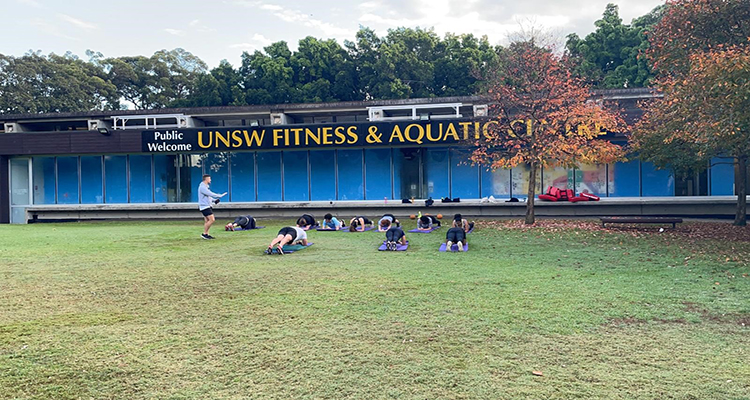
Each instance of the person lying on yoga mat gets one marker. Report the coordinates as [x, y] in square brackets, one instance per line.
[243, 221]
[460, 222]
[386, 222]
[306, 221]
[394, 236]
[288, 235]
[455, 235]
[359, 224]
[427, 222]
[331, 223]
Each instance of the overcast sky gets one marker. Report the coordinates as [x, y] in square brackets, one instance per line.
[223, 29]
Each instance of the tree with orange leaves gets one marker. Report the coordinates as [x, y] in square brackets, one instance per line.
[700, 51]
[543, 116]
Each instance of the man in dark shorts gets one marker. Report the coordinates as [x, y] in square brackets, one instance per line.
[205, 203]
[287, 235]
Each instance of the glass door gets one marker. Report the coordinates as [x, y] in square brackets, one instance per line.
[20, 189]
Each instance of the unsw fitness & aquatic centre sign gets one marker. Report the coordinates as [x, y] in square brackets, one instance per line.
[318, 136]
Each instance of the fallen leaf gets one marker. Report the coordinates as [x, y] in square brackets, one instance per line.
[537, 373]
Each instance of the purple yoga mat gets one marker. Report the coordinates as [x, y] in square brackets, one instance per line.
[240, 229]
[367, 228]
[401, 247]
[417, 230]
[454, 247]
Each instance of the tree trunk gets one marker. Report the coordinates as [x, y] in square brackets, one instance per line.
[740, 219]
[531, 194]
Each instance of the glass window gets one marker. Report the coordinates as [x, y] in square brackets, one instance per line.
[191, 175]
[624, 179]
[140, 179]
[561, 178]
[296, 183]
[43, 169]
[350, 175]
[520, 181]
[591, 179]
[656, 182]
[92, 191]
[269, 175]
[378, 174]
[19, 182]
[243, 177]
[437, 173]
[165, 178]
[217, 165]
[322, 175]
[406, 178]
[464, 176]
[496, 183]
[722, 177]
[115, 179]
[67, 180]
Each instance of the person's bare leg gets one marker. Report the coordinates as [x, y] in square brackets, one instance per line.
[207, 224]
[283, 242]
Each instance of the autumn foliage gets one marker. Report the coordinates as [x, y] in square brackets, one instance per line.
[701, 53]
[544, 117]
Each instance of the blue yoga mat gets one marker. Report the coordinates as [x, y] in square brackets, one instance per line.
[417, 230]
[288, 249]
[240, 229]
[401, 247]
[454, 247]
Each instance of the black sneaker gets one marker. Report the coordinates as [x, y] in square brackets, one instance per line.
[279, 250]
[268, 251]
[204, 236]
[210, 237]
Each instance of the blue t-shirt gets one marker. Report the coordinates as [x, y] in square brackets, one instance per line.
[333, 224]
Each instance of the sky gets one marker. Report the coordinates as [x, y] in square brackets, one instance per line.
[223, 29]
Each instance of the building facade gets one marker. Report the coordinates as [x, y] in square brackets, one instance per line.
[356, 151]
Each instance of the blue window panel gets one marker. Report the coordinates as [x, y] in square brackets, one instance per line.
[43, 169]
[67, 180]
[624, 179]
[398, 160]
[350, 175]
[140, 179]
[495, 183]
[437, 173]
[92, 191]
[217, 165]
[165, 178]
[378, 174]
[296, 183]
[656, 182]
[115, 179]
[269, 176]
[322, 175]
[243, 177]
[195, 177]
[464, 176]
[722, 177]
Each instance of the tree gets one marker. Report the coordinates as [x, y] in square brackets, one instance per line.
[35, 83]
[700, 52]
[165, 78]
[610, 57]
[268, 78]
[542, 116]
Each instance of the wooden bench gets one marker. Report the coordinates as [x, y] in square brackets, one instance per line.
[641, 220]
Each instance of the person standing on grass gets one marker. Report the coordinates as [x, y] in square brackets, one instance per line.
[205, 203]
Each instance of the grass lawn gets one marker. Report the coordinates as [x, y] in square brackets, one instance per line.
[141, 310]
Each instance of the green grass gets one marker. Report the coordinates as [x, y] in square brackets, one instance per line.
[149, 310]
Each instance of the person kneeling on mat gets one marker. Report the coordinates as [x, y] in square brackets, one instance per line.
[460, 222]
[426, 222]
[394, 236]
[288, 235]
[359, 224]
[331, 223]
[390, 220]
[455, 235]
[306, 221]
[243, 221]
